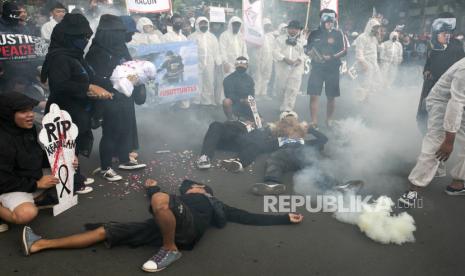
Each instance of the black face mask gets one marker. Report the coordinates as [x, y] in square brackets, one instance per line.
[241, 69]
[203, 29]
[236, 28]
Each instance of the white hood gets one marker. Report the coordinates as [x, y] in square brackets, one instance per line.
[143, 21]
[197, 22]
[370, 24]
[232, 20]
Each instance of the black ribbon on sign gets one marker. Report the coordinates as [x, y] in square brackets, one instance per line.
[63, 168]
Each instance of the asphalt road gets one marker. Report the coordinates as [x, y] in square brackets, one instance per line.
[319, 246]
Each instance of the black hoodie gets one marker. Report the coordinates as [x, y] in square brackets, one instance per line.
[21, 157]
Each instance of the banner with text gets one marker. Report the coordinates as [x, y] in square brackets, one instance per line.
[58, 136]
[253, 21]
[177, 68]
[148, 6]
[22, 47]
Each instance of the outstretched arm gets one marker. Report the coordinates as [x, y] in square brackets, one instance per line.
[244, 217]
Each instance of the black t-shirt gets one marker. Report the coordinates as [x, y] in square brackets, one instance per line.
[329, 43]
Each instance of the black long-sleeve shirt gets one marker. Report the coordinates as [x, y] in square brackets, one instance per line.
[238, 85]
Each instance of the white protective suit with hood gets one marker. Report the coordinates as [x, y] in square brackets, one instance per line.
[264, 66]
[445, 105]
[366, 55]
[288, 78]
[209, 57]
[232, 46]
[390, 54]
[143, 38]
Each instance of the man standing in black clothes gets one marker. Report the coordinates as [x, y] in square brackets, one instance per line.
[237, 88]
[179, 222]
[326, 46]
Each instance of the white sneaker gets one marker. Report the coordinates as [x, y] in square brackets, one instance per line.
[89, 181]
[232, 165]
[111, 175]
[204, 162]
[132, 165]
[84, 190]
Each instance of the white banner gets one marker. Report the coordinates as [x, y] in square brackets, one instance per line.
[58, 136]
[148, 6]
[253, 25]
[330, 4]
[217, 15]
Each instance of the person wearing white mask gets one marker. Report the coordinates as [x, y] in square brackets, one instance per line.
[209, 57]
[264, 65]
[146, 34]
[390, 58]
[289, 65]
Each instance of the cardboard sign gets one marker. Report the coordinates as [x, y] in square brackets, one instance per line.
[330, 4]
[217, 15]
[253, 25]
[148, 6]
[58, 136]
[178, 70]
[22, 47]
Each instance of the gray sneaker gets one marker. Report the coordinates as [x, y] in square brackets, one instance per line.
[232, 165]
[268, 189]
[28, 238]
[161, 260]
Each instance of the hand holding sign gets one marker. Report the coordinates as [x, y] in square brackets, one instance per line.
[59, 139]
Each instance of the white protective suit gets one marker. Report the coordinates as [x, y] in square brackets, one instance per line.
[445, 105]
[232, 46]
[209, 57]
[366, 55]
[390, 54]
[288, 78]
[142, 38]
[264, 67]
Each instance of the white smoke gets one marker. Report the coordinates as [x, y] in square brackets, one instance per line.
[377, 222]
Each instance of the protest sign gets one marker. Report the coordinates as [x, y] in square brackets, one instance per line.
[177, 74]
[20, 47]
[253, 25]
[58, 136]
[217, 15]
[148, 6]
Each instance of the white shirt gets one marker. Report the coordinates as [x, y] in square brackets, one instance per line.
[47, 29]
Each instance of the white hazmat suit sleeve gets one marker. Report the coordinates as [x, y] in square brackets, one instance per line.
[454, 109]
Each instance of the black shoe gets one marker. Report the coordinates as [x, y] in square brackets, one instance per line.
[96, 122]
[48, 201]
[268, 189]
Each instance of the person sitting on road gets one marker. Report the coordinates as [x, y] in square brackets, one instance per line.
[21, 161]
[237, 88]
[179, 222]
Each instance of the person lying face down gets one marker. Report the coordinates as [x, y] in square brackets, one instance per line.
[179, 222]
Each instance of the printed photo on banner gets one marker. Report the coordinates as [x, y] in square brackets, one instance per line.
[58, 136]
[148, 6]
[177, 70]
[253, 17]
[22, 47]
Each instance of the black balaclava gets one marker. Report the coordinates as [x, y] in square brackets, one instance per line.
[203, 28]
[177, 26]
[10, 13]
[111, 35]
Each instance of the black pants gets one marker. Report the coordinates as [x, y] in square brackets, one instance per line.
[222, 136]
[254, 143]
[116, 132]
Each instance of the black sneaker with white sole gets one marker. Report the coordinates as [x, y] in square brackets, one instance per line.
[408, 199]
[132, 165]
[268, 189]
[455, 192]
[232, 165]
[110, 175]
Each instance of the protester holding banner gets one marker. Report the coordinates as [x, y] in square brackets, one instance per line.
[70, 79]
[21, 160]
[289, 55]
[209, 57]
[57, 12]
[325, 46]
[108, 50]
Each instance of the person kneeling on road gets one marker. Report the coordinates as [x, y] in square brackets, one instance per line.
[178, 223]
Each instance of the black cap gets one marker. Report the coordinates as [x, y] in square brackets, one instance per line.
[109, 22]
[57, 5]
[9, 9]
[75, 24]
[294, 24]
